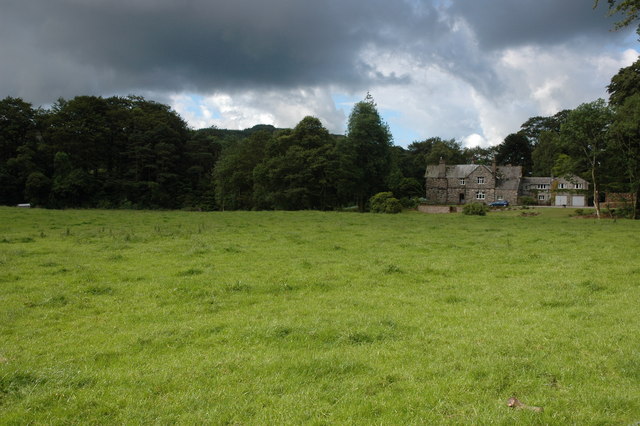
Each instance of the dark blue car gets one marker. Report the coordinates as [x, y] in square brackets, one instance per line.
[499, 203]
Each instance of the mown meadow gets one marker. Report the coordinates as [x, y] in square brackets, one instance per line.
[317, 317]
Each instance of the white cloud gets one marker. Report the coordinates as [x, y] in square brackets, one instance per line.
[474, 140]
[543, 81]
[432, 102]
[280, 108]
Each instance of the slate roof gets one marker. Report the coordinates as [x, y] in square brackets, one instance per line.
[431, 172]
[457, 171]
[537, 180]
[508, 177]
[461, 170]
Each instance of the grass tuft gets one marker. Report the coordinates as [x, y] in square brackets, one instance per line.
[99, 290]
[591, 286]
[237, 286]
[454, 299]
[392, 269]
[190, 272]
[56, 301]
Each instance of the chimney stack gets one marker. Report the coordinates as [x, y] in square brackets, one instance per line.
[442, 168]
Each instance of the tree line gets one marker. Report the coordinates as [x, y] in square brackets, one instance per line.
[129, 152]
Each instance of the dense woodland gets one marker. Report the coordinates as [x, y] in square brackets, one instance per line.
[129, 152]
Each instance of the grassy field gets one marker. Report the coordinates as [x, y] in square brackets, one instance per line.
[321, 318]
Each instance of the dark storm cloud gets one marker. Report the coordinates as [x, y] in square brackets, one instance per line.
[54, 48]
[508, 23]
[199, 44]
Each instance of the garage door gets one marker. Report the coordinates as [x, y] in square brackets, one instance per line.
[578, 201]
[561, 200]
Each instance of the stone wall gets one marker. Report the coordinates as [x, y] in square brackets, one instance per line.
[425, 208]
[618, 199]
[437, 190]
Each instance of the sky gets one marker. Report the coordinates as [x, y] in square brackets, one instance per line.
[469, 70]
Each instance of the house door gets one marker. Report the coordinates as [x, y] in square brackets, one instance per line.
[578, 201]
[461, 198]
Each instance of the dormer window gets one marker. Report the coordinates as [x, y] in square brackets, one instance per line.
[480, 180]
[578, 186]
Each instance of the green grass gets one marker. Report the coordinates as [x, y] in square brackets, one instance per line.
[321, 318]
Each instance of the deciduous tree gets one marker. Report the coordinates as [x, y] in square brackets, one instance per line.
[534, 127]
[545, 154]
[630, 10]
[18, 148]
[233, 173]
[298, 171]
[584, 134]
[624, 84]
[515, 150]
[625, 140]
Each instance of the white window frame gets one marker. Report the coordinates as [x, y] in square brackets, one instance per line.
[462, 181]
[480, 180]
[480, 195]
[561, 186]
[500, 198]
[542, 186]
[577, 186]
[541, 197]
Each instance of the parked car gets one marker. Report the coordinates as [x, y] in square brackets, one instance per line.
[499, 203]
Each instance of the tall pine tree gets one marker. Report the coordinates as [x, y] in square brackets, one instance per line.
[369, 146]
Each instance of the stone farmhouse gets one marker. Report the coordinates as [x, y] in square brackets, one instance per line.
[467, 183]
